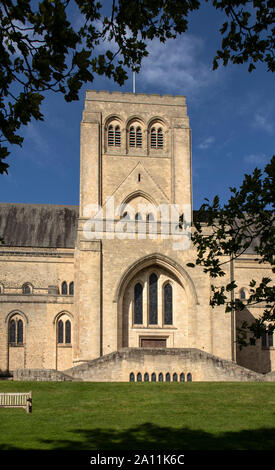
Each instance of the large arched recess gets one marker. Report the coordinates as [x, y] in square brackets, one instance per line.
[149, 261]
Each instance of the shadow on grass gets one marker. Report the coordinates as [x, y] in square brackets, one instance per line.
[148, 436]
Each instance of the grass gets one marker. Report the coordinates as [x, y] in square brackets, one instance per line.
[141, 416]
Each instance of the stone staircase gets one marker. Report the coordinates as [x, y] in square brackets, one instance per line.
[117, 367]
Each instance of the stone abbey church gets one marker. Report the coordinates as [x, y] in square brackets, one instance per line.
[107, 295]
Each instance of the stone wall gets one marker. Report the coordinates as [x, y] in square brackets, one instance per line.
[40, 375]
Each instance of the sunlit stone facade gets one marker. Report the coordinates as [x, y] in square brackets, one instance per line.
[80, 283]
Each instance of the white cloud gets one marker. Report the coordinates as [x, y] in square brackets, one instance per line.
[259, 159]
[177, 66]
[206, 143]
[264, 122]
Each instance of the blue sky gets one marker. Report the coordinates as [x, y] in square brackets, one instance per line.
[232, 117]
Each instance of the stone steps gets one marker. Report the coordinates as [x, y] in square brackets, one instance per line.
[118, 365]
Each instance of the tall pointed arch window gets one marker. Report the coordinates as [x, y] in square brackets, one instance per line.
[168, 304]
[60, 332]
[153, 299]
[64, 332]
[12, 332]
[16, 331]
[67, 332]
[20, 332]
[138, 302]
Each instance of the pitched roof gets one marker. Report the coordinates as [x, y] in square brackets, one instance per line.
[38, 225]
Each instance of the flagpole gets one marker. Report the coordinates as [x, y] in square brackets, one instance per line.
[134, 82]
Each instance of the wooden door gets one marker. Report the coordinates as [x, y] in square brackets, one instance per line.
[153, 342]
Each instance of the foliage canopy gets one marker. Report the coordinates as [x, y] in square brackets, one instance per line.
[246, 223]
[59, 45]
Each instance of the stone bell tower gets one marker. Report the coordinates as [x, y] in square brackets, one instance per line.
[134, 148]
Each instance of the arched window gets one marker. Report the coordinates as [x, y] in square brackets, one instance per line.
[168, 378]
[168, 304]
[160, 377]
[153, 138]
[64, 288]
[117, 136]
[16, 332]
[182, 377]
[60, 332]
[12, 332]
[150, 217]
[132, 137]
[175, 377]
[138, 303]
[153, 377]
[111, 136]
[26, 289]
[68, 332]
[19, 332]
[139, 377]
[71, 288]
[139, 137]
[156, 138]
[189, 377]
[135, 137]
[153, 299]
[138, 216]
[267, 338]
[242, 294]
[1, 289]
[160, 138]
[146, 377]
[132, 377]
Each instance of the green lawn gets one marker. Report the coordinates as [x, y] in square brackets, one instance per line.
[141, 416]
